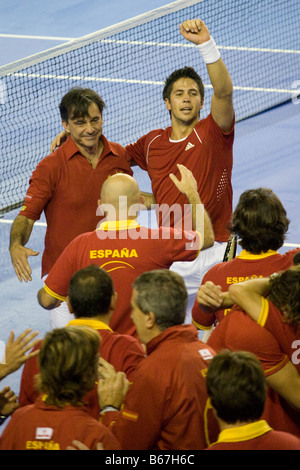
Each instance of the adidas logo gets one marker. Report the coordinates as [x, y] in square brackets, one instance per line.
[189, 146]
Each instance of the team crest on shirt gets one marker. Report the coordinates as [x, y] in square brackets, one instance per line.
[113, 265]
[43, 433]
[206, 354]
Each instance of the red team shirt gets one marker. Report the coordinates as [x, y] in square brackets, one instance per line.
[207, 152]
[255, 436]
[67, 188]
[127, 251]
[45, 427]
[238, 332]
[244, 266]
[122, 351]
[167, 407]
[286, 334]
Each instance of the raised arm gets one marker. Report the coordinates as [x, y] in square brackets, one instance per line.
[188, 186]
[222, 110]
[19, 235]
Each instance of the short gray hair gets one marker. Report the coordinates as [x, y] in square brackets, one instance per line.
[162, 292]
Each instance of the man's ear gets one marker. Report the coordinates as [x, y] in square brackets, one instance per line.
[69, 305]
[113, 301]
[168, 104]
[66, 126]
[150, 320]
[142, 199]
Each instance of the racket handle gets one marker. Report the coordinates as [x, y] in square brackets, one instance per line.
[230, 251]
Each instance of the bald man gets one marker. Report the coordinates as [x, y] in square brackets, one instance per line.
[124, 248]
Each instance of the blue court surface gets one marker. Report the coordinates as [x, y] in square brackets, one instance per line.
[266, 149]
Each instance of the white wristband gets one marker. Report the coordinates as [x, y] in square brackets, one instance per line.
[209, 51]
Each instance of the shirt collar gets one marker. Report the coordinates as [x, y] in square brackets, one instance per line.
[71, 149]
[244, 433]
[118, 225]
[185, 333]
[247, 255]
[95, 324]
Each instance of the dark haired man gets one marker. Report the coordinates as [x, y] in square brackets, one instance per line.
[65, 185]
[166, 406]
[260, 224]
[239, 374]
[202, 145]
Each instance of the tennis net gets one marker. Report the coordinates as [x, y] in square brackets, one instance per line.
[127, 64]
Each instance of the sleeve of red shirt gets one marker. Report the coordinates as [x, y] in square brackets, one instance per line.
[201, 319]
[125, 354]
[60, 274]
[135, 153]
[185, 245]
[41, 187]
[137, 426]
[243, 334]
[28, 392]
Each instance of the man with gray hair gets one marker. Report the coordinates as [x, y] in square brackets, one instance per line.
[166, 406]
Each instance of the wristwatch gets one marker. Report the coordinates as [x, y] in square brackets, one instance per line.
[2, 419]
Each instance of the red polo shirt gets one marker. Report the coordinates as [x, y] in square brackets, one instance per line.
[238, 332]
[245, 266]
[66, 187]
[122, 351]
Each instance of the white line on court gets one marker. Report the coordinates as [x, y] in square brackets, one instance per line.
[153, 43]
[141, 82]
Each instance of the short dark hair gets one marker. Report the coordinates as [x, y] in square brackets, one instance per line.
[236, 386]
[284, 292]
[77, 101]
[162, 292]
[185, 72]
[90, 292]
[259, 221]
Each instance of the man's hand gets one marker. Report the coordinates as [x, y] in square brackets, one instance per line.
[19, 258]
[195, 31]
[59, 140]
[8, 401]
[188, 184]
[15, 351]
[112, 386]
[210, 296]
[105, 369]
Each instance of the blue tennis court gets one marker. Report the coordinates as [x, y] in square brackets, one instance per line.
[265, 69]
